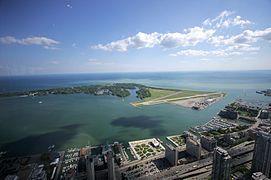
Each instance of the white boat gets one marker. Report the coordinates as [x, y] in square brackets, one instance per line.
[23, 95]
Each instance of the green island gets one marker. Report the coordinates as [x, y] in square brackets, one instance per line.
[117, 89]
[147, 95]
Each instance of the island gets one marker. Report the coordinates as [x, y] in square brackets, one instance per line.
[117, 89]
[147, 95]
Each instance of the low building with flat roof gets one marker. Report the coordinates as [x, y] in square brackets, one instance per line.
[259, 176]
[228, 114]
[208, 143]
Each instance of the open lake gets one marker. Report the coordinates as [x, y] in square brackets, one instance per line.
[27, 126]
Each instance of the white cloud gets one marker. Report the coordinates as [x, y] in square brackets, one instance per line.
[239, 21]
[140, 40]
[202, 53]
[246, 37]
[224, 20]
[168, 40]
[229, 51]
[243, 47]
[69, 6]
[218, 40]
[8, 40]
[44, 41]
[191, 52]
[207, 22]
[262, 34]
[191, 38]
[222, 15]
[38, 40]
[208, 33]
[221, 21]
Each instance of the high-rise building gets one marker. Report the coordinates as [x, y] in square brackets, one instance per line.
[261, 161]
[110, 165]
[171, 155]
[90, 169]
[81, 168]
[193, 147]
[208, 143]
[221, 165]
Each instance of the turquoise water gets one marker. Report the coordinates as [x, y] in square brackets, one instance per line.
[26, 126]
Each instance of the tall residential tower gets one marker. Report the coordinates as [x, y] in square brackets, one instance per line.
[221, 165]
[262, 154]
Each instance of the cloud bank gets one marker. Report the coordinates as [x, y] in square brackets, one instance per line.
[192, 37]
[210, 33]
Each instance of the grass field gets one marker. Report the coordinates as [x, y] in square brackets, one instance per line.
[158, 93]
[185, 93]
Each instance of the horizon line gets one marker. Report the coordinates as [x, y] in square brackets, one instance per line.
[124, 72]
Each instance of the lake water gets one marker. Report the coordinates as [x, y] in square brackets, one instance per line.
[27, 126]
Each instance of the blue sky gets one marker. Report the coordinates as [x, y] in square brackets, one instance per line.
[49, 37]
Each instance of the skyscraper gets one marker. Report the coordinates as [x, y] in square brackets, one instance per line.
[221, 165]
[261, 161]
[111, 165]
[90, 169]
